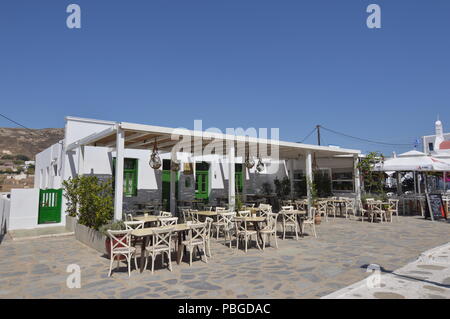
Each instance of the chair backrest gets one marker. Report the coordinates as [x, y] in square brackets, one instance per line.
[165, 214]
[186, 214]
[220, 209]
[393, 204]
[129, 217]
[349, 203]
[197, 231]
[264, 210]
[240, 224]
[119, 239]
[244, 213]
[249, 205]
[290, 207]
[133, 225]
[226, 218]
[289, 216]
[272, 221]
[168, 221]
[322, 206]
[194, 215]
[301, 204]
[161, 237]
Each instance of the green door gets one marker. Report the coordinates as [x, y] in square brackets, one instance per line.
[49, 206]
[166, 185]
[130, 176]
[202, 180]
[201, 184]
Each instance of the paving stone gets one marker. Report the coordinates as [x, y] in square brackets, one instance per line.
[202, 285]
[133, 292]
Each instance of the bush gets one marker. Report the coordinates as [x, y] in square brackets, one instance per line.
[94, 199]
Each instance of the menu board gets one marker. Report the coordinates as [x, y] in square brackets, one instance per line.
[434, 207]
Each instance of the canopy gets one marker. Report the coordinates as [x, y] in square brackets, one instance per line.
[414, 161]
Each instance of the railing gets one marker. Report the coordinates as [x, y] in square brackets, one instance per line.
[5, 205]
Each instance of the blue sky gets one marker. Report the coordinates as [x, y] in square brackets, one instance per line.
[237, 63]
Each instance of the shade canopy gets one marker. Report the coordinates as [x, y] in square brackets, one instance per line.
[414, 161]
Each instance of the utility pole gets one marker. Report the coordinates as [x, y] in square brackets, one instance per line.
[318, 134]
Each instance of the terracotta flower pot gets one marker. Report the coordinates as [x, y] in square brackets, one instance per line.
[317, 219]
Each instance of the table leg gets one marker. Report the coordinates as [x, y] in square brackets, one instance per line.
[300, 224]
[142, 259]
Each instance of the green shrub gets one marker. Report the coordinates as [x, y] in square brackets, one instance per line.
[93, 197]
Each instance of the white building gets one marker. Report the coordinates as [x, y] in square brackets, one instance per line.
[106, 149]
[439, 143]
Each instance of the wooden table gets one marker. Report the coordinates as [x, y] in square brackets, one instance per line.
[146, 219]
[145, 233]
[205, 213]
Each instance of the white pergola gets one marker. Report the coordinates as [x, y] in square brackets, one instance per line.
[125, 135]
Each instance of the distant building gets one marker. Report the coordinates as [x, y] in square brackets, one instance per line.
[438, 144]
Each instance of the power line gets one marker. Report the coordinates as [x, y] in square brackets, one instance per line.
[364, 139]
[307, 136]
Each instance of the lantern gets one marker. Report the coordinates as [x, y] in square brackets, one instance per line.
[260, 165]
[155, 160]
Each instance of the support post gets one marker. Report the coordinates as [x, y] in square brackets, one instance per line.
[231, 179]
[173, 176]
[81, 160]
[118, 190]
[357, 181]
[309, 181]
[291, 177]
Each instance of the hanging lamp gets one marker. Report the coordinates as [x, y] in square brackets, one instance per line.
[155, 160]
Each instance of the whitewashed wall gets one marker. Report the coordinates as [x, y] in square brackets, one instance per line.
[24, 209]
[4, 214]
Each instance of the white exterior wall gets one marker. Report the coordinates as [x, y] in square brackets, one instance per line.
[24, 207]
[46, 176]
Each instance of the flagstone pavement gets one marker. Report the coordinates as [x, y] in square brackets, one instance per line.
[307, 268]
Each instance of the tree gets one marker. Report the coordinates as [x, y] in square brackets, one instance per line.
[373, 181]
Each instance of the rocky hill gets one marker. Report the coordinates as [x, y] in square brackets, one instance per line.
[20, 141]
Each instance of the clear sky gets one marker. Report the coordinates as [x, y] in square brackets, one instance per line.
[290, 64]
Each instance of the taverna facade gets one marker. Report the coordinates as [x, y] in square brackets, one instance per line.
[191, 168]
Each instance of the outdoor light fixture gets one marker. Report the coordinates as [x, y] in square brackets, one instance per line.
[175, 165]
[155, 160]
[249, 162]
[260, 166]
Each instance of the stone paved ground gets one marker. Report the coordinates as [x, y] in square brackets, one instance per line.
[308, 268]
[427, 277]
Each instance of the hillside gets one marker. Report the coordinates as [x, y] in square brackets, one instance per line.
[20, 141]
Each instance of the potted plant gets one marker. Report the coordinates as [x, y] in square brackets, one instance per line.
[115, 225]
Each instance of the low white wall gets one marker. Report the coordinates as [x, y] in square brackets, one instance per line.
[24, 210]
[4, 214]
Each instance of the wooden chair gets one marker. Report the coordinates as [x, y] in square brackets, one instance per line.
[393, 208]
[120, 245]
[310, 222]
[160, 244]
[197, 238]
[243, 232]
[270, 230]
[224, 223]
[289, 219]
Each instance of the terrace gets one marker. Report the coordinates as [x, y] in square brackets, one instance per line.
[307, 268]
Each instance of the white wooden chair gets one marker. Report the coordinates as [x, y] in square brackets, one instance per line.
[168, 221]
[160, 244]
[377, 211]
[289, 219]
[243, 232]
[288, 207]
[194, 216]
[350, 207]
[220, 209]
[120, 245]
[197, 235]
[270, 230]
[165, 214]
[186, 215]
[323, 209]
[310, 222]
[244, 213]
[331, 207]
[224, 223]
[265, 210]
[393, 208]
[365, 212]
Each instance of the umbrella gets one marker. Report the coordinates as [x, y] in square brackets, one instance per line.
[413, 161]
